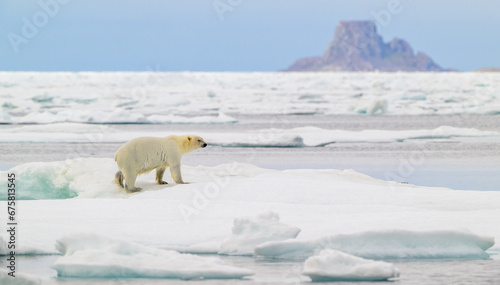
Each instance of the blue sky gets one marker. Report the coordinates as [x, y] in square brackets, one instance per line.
[243, 35]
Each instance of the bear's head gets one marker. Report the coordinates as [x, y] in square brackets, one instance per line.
[192, 143]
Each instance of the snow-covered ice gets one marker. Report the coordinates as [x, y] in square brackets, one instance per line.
[388, 244]
[180, 97]
[31, 247]
[93, 256]
[19, 279]
[323, 203]
[333, 265]
[249, 232]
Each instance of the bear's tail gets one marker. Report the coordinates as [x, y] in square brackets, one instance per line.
[119, 179]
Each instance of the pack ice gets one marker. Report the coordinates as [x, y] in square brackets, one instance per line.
[200, 97]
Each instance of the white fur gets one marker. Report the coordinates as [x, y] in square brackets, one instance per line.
[144, 154]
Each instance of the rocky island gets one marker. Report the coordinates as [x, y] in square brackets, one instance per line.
[356, 46]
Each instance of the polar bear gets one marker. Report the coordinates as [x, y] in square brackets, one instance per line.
[144, 154]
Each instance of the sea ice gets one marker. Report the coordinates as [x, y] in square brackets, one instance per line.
[47, 97]
[295, 137]
[31, 247]
[93, 256]
[199, 248]
[389, 244]
[64, 179]
[198, 216]
[333, 265]
[174, 119]
[249, 232]
[19, 279]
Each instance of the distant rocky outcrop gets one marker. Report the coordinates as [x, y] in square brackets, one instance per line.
[356, 46]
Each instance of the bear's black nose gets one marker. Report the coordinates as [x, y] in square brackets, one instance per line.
[203, 144]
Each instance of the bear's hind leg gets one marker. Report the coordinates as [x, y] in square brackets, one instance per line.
[159, 175]
[130, 182]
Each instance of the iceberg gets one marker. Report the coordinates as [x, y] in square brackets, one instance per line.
[333, 265]
[249, 232]
[93, 256]
[389, 244]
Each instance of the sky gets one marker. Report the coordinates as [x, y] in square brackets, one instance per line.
[231, 35]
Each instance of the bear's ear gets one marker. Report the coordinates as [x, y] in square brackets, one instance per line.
[189, 138]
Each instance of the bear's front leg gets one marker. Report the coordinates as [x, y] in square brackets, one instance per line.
[175, 171]
[159, 176]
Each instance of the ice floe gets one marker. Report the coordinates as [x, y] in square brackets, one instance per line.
[393, 244]
[19, 279]
[30, 247]
[333, 265]
[93, 256]
[250, 232]
[295, 137]
[327, 205]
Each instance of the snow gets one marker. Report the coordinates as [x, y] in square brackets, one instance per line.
[173, 119]
[199, 248]
[250, 232]
[393, 244]
[19, 279]
[32, 247]
[331, 204]
[180, 97]
[295, 137]
[93, 256]
[333, 265]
